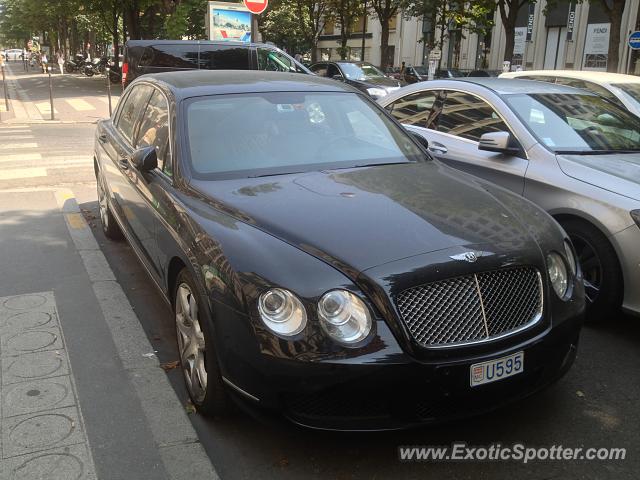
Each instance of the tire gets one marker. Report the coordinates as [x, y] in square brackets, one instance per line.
[604, 285]
[110, 227]
[193, 327]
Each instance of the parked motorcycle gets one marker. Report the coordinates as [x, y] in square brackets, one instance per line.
[75, 64]
[96, 66]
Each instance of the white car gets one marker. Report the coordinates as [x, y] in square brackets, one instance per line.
[623, 90]
[13, 54]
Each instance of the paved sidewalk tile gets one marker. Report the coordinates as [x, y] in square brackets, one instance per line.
[42, 434]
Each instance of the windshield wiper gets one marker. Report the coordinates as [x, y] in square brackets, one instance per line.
[596, 152]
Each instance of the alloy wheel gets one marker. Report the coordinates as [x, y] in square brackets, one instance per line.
[102, 201]
[591, 267]
[191, 343]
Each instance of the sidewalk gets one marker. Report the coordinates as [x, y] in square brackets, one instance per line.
[76, 98]
[82, 393]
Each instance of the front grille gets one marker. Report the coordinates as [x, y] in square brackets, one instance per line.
[472, 308]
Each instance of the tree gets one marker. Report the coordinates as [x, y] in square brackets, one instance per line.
[509, 14]
[614, 9]
[312, 15]
[283, 25]
[385, 11]
[346, 12]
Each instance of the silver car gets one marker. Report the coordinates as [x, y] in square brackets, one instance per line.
[570, 151]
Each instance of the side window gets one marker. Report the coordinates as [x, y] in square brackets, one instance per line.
[170, 56]
[320, 69]
[154, 129]
[274, 61]
[332, 71]
[224, 57]
[468, 117]
[135, 102]
[415, 109]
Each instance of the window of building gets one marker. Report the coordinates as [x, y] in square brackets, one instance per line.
[329, 27]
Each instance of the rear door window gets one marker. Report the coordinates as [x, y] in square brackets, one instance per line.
[273, 60]
[224, 57]
[170, 56]
[129, 114]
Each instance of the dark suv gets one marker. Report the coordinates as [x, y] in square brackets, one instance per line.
[154, 56]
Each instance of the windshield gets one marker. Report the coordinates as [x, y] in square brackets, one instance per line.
[363, 71]
[631, 89]
[421, 70]
[256, 134]
[575, 123]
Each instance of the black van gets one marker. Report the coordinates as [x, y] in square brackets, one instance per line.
[152, 56]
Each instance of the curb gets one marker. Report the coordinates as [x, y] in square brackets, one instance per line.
[180, 450]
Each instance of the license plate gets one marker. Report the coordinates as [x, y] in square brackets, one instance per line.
[498, 369]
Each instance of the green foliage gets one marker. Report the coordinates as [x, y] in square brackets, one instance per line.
[187, 21]
[283, 24]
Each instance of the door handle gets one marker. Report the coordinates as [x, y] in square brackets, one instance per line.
[102, 138]
[124, 163]
[438, 148]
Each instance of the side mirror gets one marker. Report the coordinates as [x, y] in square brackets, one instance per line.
[420, 139]
[499, 142]
[338, 77]
[145, 159]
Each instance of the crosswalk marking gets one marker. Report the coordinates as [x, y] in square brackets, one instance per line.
[9, 127]
[22, 137]
[12, 131]
[79, 104]
[18, 146]
[20, 157]
[22, 173]
[45, 108]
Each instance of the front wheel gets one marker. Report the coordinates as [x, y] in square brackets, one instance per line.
[198, 358]
[603, 282]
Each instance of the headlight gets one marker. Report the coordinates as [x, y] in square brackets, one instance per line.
[282, 312]
[571, 259]
[635, 214]
[376, 92]
[557, 274]
[344, 317]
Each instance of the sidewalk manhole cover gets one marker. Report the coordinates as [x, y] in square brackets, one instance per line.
[36, 396]
[41, 431]
[52, 466]
[30, 341]
[25, 302]
[37, 365]
[26, 320]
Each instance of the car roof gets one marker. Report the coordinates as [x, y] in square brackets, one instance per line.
[507, 86]
[145, 43]
[596, 77]
[194, 83]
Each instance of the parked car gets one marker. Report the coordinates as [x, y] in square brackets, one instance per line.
[416, 74]
[362, 75]
[13, 54]
[393, 72]
[484, 73]
[570, 151]
[623, 90]
[316, 261]
[156, 56]
[448, 73]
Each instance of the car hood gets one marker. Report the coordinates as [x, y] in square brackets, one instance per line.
[379, 82]
[618, 173]
[359, 218]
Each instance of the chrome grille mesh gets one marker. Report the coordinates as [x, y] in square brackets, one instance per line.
[473, 307]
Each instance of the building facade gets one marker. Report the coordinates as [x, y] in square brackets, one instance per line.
[569, 36]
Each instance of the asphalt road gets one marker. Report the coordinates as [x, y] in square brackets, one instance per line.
[594, 405]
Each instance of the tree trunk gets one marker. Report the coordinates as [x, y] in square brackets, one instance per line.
[116, 39]
[509, 22]
[615, 18]
[384, 43]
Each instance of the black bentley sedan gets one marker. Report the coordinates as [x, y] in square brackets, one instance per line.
[321, 265]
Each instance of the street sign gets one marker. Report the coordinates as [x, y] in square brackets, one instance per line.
[634, 40]
[435, 55]
[256, 6]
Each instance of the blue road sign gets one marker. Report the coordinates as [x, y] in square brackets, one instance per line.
[634, 40]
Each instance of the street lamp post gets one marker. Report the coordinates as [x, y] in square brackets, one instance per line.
[108, 70]
[4, 86]
[49, 68]
[364, 29]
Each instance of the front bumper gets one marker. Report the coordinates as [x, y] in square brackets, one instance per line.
[383, 395]
[627, 243]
